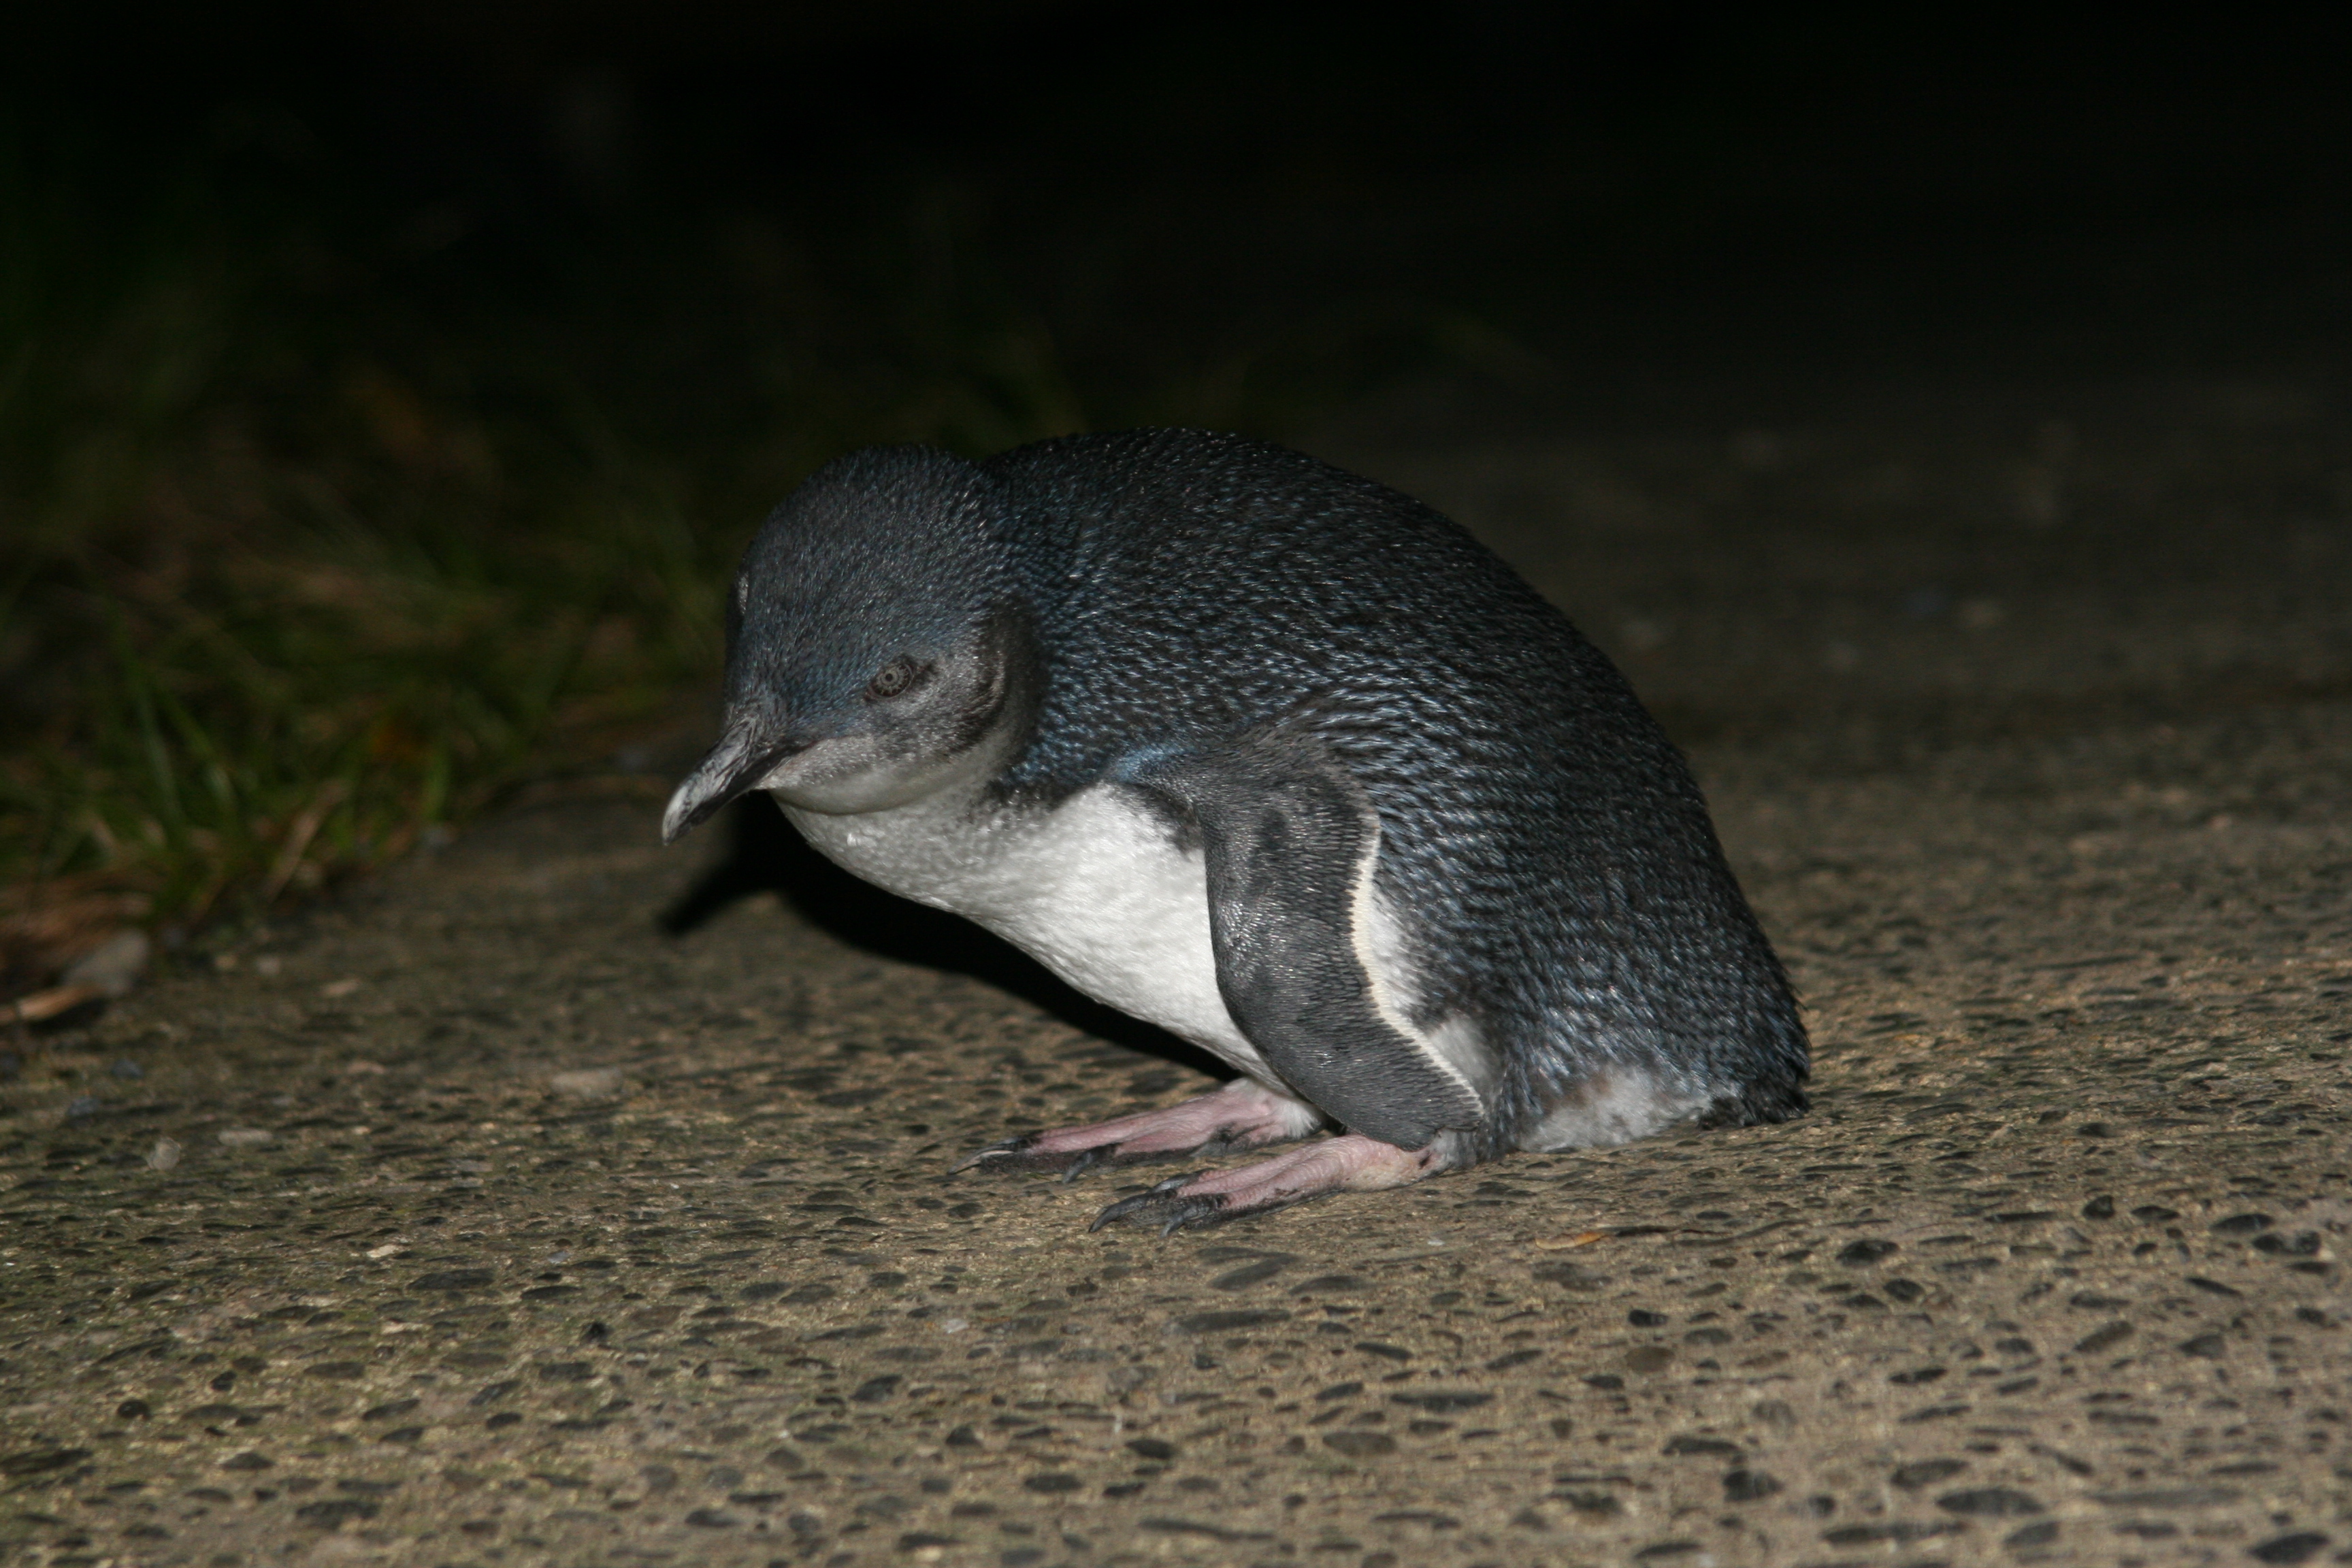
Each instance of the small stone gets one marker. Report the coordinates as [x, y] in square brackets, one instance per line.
[1241, 1278]
[2301, 1546]
[2102, 1208]
[2303, 1244]
[589, 1083]
[1226, 1322]
[1866, 1251]
[1687, 1445]
[1989, 1503]
[1052, 1482]
[1153, 1448]
[1327, 1285]
[245, 1137]
[2103, 1339]
[163, 1155]
[1866, 1534]
[1444, 1399]
[1927, 1472]
[113, 966]
[1932, 1413]
[2168, 1497]
[1747, 1486]
[1357, 1445]
[1571, 1276]
[451, 1279]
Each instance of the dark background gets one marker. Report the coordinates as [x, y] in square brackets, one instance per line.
[386, 389]
[1167, 197]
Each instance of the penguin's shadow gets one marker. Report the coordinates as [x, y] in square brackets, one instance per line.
[766, 855]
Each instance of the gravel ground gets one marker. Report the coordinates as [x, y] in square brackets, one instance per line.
[475, 1220]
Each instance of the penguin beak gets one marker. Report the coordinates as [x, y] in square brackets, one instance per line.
[734, 767]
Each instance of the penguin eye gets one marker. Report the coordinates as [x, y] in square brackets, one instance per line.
[898, 677]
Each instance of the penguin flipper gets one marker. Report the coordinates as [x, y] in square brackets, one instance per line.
[1291, 843]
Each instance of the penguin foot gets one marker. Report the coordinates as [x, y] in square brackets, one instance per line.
[1165, 1206]
[1349, 1163]
[1240, 1115]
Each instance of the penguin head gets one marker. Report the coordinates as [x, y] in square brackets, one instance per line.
[875, 652]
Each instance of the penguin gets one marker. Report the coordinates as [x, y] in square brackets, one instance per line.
[1277, 759]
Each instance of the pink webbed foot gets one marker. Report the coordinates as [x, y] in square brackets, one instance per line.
[1240, 1115]
[1349, 1164]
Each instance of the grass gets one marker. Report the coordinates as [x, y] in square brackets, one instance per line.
[295, 571]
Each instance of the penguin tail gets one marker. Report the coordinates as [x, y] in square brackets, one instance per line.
[1770, 1100]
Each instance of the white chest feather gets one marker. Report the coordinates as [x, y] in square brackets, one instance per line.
[1095, 890]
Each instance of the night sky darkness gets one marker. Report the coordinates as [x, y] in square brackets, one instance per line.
[1619, 191]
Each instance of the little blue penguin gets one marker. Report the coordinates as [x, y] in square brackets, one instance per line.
[1277, 759]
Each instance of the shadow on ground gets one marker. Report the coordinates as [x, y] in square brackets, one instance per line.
[763, 855]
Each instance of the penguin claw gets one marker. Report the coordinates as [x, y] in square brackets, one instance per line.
[1088, 1160]
[1003, 1149]
[1166, 1204]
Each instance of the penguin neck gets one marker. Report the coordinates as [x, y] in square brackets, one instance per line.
[927, 848]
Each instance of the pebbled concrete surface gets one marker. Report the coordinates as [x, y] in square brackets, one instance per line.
[503, 1229]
